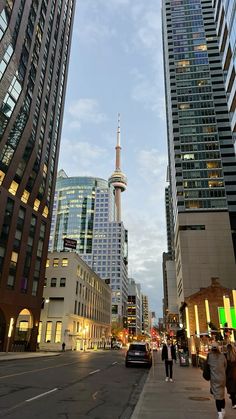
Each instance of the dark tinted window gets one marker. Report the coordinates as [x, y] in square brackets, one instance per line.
[140, 348]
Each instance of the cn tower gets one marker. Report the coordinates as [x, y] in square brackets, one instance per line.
[118, 178]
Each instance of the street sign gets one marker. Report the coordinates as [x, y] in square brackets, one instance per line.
[70, 243]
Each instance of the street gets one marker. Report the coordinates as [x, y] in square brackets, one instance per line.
[72, 385]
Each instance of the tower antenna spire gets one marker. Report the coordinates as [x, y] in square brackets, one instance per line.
[118, 178]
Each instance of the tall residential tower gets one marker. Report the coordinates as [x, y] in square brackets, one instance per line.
[202, 165]
[35, 37]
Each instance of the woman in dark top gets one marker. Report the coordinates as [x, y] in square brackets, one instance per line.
[231, 374]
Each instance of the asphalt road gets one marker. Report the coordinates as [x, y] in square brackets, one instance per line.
[91, 385]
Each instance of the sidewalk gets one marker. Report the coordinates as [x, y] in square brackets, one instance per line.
[188, 397]
[10, 356]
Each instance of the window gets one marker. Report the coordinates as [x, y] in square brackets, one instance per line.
[55, 262]
[58, 332]
[10, 281]
[25, 196]
[13, 188]
[62, 282]
[64, 262]
[45, 282]
[39, 332]
[53, 282]
[36, 204]
[47, 263]
[48, 335]
[23, 326]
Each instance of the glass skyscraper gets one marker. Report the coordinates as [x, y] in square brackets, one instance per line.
[225, 17]
[35, 38]
[84, 210]
[202, 165]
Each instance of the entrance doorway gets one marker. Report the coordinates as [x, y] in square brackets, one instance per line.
[23, 331]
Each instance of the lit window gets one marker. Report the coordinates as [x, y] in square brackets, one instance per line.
[55, 262]
[14, 257]
[201, 47]
[39, 332]
[45, 212]
[48, 335]
[36, 204]
[188, 156]
[47, 263]
[184, 106]
[25, 196]
[64, 262]
[215, 184]
[212, 164]
[23, 326]
[2, 175]
[58, 332]
[183, 63]
[13, 188]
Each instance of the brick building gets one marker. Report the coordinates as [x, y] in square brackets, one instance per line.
[209, 305]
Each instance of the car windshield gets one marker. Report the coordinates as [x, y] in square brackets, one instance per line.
[141, 348]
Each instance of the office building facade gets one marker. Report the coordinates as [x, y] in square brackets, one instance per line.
[134, 309]
[35, 39]
[202, 166]
[225, 18]
[84, 210]
[76, 305]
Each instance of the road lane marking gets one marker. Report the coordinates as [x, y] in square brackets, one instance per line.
[36, 370]
[94, 372]
[114, 363]
[42, 395]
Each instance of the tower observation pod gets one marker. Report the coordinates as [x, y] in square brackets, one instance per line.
[118, 179]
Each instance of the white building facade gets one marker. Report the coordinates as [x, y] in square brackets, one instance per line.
[76, 308]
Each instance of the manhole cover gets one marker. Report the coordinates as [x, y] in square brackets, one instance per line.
[199, 399]
[192, 388]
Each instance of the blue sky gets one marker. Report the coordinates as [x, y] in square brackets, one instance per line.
[116, 66]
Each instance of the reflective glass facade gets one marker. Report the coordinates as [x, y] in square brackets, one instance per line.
[202, 164]
[84, 210]
[225, 17]
[35, 37]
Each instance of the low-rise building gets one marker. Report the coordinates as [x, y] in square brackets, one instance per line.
[76, 307]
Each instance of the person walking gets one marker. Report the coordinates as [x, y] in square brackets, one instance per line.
[231, 374]
[217, 363]
[63, 346]
[168, 355]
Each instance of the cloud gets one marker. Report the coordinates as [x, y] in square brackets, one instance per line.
[81, 158]
[152, 166]
[84, 111]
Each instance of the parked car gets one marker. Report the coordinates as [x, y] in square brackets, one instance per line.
[117, 345]
[139, 353]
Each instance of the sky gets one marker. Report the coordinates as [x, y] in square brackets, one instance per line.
[116, 66]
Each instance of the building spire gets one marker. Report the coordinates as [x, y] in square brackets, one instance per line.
[118, 179]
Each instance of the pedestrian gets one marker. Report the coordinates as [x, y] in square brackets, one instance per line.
[217, 363]
[168, 355]
[63, 346]
[231, 374]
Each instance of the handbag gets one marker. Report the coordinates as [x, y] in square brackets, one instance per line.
[206, 371]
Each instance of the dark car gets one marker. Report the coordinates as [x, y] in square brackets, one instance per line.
[139, 353]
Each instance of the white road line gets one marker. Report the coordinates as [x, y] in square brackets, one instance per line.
[94, 372]
[41, 395]
[114, 363]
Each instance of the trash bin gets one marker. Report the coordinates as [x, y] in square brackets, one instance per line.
[183, 359]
